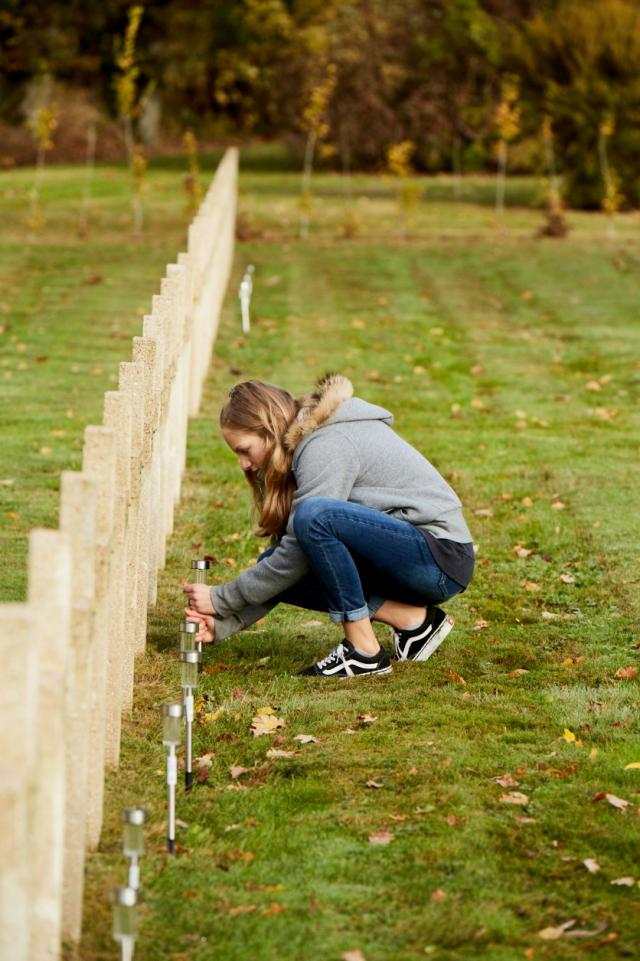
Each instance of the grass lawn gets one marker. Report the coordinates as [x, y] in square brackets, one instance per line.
[512, 363]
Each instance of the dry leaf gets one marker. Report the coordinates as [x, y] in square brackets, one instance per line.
[241, 909]
[506, 780]
[353, 956]
[522, 819]
[617, 802]
[591, 865]
[367, 718]
[531, 586]
[247, 856]
[518, 672]
[456, 678]
[273, 908]
[483, 512]
[480, 624]
[567, 578]
[552, 934]
[593, 385]
[578, 933]
[526, 502]
[514, 797]
[266, 724]
[381, 837]
[205, 760]
[626, 673]
[236, 770]
[557, 506]
[306, 738]
[634, 765]
[438, 896]
[374, 784]
[275, 752]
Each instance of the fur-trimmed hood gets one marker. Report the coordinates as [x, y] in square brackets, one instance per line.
[332, 401]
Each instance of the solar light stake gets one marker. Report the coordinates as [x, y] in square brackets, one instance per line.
[133, 841]
[199, 574]
[172, 715]
[188, 631]
[124, 900]
[189, 662]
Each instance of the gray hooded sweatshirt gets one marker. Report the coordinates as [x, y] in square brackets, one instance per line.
[344, 448]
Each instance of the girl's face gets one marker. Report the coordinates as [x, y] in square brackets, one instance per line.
[250, 448]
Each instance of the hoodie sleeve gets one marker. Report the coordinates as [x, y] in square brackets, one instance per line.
[327, 466]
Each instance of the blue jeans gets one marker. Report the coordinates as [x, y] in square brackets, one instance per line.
[361, 557]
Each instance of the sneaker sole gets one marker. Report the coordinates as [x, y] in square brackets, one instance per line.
[348, 677]
[434, 641]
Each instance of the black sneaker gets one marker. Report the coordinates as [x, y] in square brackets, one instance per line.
[345, 661]
[420, 643]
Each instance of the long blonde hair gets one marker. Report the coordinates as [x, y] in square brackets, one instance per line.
[264, 409]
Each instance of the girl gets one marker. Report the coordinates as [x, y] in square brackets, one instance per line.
[362, 526]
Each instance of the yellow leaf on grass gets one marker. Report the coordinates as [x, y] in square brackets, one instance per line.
[514, 797]
[266, 724]
[569, 736]
[264, 711]
[632, 766]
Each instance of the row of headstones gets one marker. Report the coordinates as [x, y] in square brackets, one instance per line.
[68, 652]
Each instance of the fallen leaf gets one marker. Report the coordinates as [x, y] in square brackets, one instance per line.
[274, 908]
[247, 856]
[531, 586]
[438, 896]
[456, 678]
[480, 625]
[266, 724]
[634, 765]
[518, 672]
[557, 506]
[275, 752]
[483, 512]
[367, 718]
[381, 837]
[241, 909]
[374, 784]
[568, 736]
[626, 673]
[526, 502]
[593, 385]
[567, 578]
[353, 956]
[624, 882]
[522, 819]
[617, 802]
[553, 934]
[579, 933]
[550, 616]
[306, 738]
[591, 865]
[236, 770]
[514, 797]
[506, 780]
[205, 760]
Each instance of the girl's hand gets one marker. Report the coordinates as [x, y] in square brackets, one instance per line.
[206, 626]
[199, 598]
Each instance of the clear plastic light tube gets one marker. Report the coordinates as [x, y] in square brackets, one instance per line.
[133, 841]
[125, 901]
[200, 575]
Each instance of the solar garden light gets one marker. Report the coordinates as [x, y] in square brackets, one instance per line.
[133, 841]
[125, 901]
[199, 574]
[172, 715]
[189, 663]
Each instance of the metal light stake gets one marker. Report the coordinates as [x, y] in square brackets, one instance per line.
[199, 573]
[172, 715]
[189, 662]
[133, 841]
[124, 900]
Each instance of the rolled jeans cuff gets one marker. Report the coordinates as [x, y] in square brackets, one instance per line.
[338, 617]
[373, 604]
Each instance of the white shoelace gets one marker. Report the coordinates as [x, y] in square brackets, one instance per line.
[336, 655]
